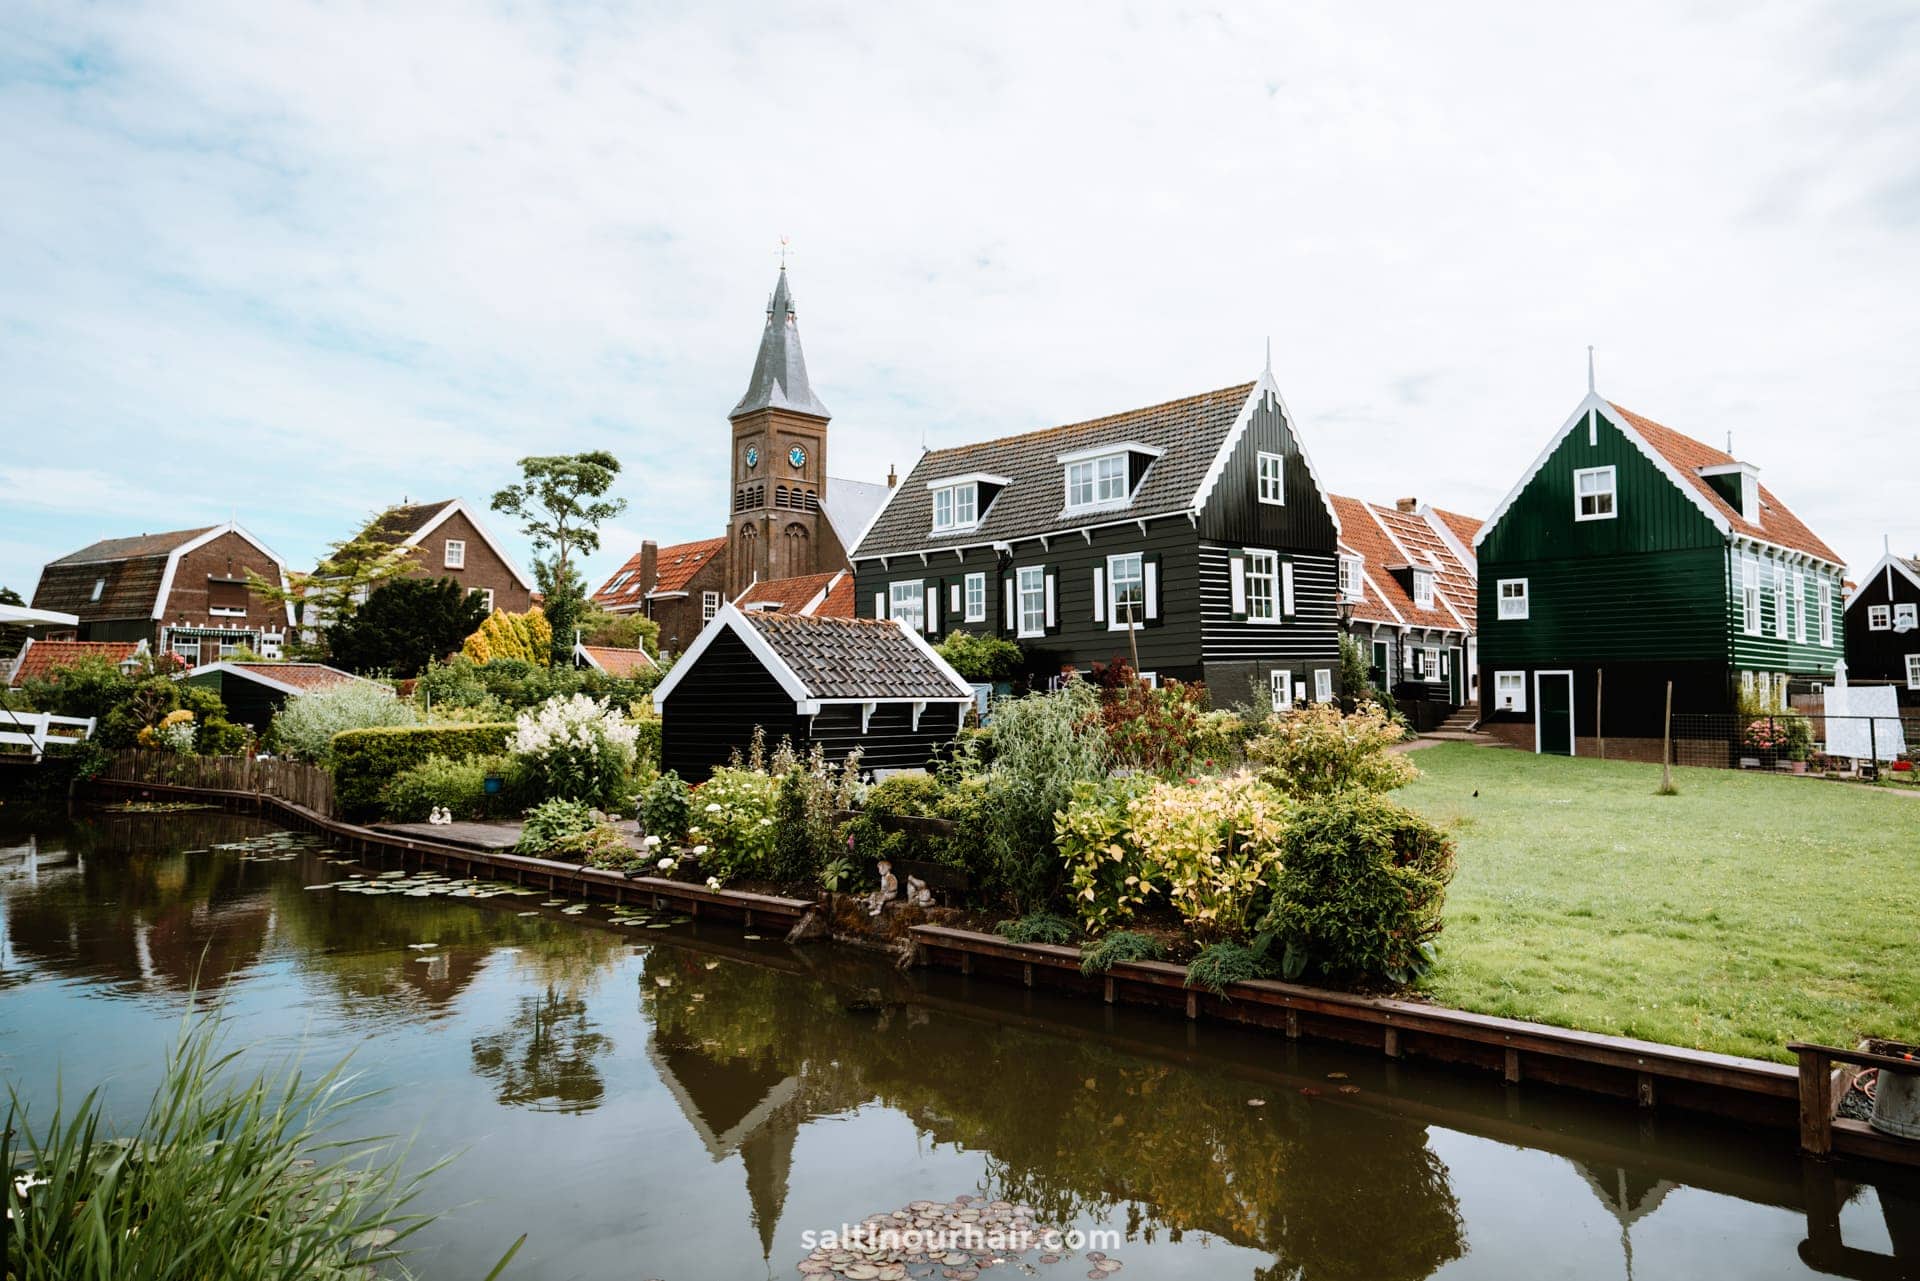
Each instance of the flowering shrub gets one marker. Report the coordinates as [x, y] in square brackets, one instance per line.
[732, 822]
[305, 726]
[576, 747]
[1208, 845]
[1315, 751]
[1786, 734]
[1150, 729]
[666, 808]
[173, 733]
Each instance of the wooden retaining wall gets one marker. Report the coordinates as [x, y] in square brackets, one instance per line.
[308, 786]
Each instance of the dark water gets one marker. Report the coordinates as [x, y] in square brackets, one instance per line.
[686, 1103]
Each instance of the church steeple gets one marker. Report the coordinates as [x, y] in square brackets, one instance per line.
[780, 370]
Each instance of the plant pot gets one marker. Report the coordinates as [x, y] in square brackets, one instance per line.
[1799, 767]
[1896, 1100]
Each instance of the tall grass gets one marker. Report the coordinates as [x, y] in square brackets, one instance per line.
[219, 1180]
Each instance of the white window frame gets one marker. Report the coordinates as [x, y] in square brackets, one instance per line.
[1750, 595]
[454, 554]
[1826, 611]
[1500, 680]
[954, 519]
[1268, 574]
[1513, 606]
[975, 597]
[1322, 685]
[1150, 679]
[1879, 618]
[1423, 587]
[1610, 491]
[1116, 616]
[99, 587]
[1353, 584]
[1098, 478]
[486, 598]
[1797, 604]
[907, 600]
[1280, 689]
[709, 606]
[1270, 471]
[1913, 671]
[1030, 581]
[1906, 612]
[1781, 623]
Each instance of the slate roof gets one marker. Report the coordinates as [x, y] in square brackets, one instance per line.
[140, 545]
[1190, 430]
[779, 378]
[791, 595]
[853, 657]
[132, 567]
[39, 658]
[1777, 523]
[850, 505]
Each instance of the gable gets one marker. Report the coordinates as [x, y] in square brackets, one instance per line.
[1655, 512]
[1230, 507]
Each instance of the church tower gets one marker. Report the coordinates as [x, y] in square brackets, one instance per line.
[779, 460]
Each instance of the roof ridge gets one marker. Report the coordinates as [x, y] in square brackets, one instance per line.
[1643, 420]
[1244, 389]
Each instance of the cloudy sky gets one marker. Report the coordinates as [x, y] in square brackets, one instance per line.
[299, 261]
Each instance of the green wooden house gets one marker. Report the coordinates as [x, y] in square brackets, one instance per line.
[1628, 556]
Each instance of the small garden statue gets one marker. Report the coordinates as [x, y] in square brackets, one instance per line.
[888, 891]
[917, 892]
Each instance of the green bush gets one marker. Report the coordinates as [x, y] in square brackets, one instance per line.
[982, 659]
[1315, 751]
[732, 828]
[578, 747]
[1360, 890]
[307, 724]
[1043, 744]
[1219, 964]
[550, 822]
[1037, 927]
[1116, 948]
[666, 808]
[458, 785]
[601, 845]
[366, 760]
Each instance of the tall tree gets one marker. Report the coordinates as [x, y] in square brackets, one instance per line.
[561, 503]
[406, 624]
[350, 572]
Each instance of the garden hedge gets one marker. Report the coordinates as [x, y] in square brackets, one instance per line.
[365, 760]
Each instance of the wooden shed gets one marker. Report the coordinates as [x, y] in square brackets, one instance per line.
[841, 683]
[253, 692]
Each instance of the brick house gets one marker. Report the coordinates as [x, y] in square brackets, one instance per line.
[183, 592]
[680, 587]
[450, 541]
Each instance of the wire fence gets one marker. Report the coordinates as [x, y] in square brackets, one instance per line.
[1810, 742]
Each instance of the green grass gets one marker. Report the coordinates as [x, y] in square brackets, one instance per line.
[1743, 913]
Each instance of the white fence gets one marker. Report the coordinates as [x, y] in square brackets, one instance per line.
[35, 731]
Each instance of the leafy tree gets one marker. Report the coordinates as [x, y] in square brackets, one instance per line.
[980, 658]
[620, 631]
[347, 575]
[406, 624]
[524, 638]
[560, 503]
[10, 597]
[1356, 668]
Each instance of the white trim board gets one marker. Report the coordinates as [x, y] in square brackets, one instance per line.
[1262, 386]
[201, 540]
[1573, 721]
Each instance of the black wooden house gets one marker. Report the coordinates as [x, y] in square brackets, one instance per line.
[1201, 523]
[841, 683]
[1883, 628]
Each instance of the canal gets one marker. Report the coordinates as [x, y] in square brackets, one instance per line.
[647, 1096]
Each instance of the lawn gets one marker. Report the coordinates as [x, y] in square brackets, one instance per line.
[1745, 912]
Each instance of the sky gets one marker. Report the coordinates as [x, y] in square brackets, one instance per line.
[293, 262]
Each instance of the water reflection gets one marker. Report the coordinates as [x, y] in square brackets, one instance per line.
[544, 1056]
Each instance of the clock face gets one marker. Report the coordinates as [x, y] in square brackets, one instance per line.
[797, 456]
[753, 455]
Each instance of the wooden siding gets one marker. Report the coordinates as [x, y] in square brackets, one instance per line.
[1882, 655]
[716, 706]
[1766, 651]
[1662, 605]
[1233, 512]
[890, 740]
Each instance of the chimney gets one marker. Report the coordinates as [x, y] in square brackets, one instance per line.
[1407, 505]
[893, 477]
[649, 565]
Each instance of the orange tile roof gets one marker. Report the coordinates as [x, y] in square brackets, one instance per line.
[1777, 524]
[674, 568]
[1364, 532]
[1464, 528]
[305, 677]
[1454, 582]
[791, 595]
[41, 658]
[839, 602]
[619, 662]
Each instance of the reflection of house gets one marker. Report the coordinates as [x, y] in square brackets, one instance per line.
[183, 592]
[1629, 1196]
[253, 692]
[1407, 587]
[450, 541]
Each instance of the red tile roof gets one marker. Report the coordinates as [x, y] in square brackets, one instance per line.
[674, 568]
[1370, 532]
[791, 595]
[41, 658]
[1777, 523]
[618, 662]
[1464, 528]
[839, 602]
[306, 677]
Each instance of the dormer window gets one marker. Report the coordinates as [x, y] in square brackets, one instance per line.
[959, 502]
[1106, 477]
[1423, 587]
[1739, 484]
[99, 586]
[1352, 585]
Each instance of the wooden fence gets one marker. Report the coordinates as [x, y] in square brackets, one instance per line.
[305, 785]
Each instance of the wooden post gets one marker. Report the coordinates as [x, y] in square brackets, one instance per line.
[1666, 744]
[1600, 709]
[1816, 1102]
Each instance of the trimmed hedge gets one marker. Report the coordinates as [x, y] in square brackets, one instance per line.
[366, 760]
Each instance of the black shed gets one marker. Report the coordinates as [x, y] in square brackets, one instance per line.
[839, 682]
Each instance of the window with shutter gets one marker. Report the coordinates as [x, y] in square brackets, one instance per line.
[1150, 586]
[976, 598]
[1263, 586]
[1031, 610]
[1126, 591]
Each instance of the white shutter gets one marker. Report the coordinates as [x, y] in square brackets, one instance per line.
[953, 598]
[1011, 620]
[1052, 615]
[1150, 580]
[879, 604]
[1286, 587]
[1237, 585]
[1099, 595]
[933, 610]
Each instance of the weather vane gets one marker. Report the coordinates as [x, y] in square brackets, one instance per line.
[786, 247]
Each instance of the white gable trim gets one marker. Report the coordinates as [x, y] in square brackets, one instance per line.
[962, 688]
[1263, 387]
[234, 669]
[1381, 596]
[1461, 552]
[486, 536]
[195, 544]
[582, 651]
[1594, 401]
[731, 619]
[881, 510]
[1889, 565]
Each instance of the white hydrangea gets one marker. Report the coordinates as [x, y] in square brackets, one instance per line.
[572, 723]
[665, 864]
